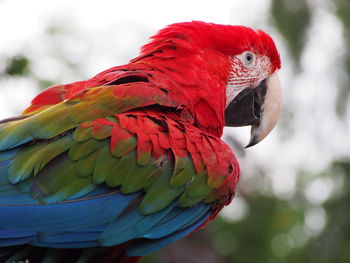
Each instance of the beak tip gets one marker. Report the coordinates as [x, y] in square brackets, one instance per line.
[271, 111]
[253, 140]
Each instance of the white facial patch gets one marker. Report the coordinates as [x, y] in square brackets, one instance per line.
[245, 75]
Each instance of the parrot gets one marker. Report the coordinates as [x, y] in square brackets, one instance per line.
[125, 163]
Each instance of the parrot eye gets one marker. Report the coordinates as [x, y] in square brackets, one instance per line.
[248, 58]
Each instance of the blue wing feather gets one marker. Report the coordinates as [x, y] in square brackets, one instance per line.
[132, 225]
[62, 237]
[145, 247]
[82, 244]
[65, 216]
[92, 222]
[15, 241]
[179, 218]
[101, 218]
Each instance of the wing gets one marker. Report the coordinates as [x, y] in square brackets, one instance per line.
[129, 73]
[139, 176]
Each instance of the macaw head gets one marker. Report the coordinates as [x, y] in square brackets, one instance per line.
[235, 68]
[253, 91]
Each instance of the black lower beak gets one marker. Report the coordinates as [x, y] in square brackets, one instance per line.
[246, 108]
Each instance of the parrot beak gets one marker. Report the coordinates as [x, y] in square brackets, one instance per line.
[259, 107]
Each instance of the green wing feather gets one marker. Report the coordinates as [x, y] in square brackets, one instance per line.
[99, 102]
[73, 147]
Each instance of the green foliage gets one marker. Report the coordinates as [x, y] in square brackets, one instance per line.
[292, 19]
[263, 234]
[343, 11]
[18, 66]
[333, 245]
[44, 83]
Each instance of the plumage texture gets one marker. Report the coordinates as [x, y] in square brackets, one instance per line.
[128, 161]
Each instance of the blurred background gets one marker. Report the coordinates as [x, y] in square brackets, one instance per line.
[293, 201]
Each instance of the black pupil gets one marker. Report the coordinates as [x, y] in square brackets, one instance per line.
[249, 57]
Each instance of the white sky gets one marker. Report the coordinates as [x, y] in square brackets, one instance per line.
[22, 19]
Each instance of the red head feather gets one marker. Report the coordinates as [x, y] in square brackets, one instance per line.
[231, 40]
[197, 55]
[191, 58]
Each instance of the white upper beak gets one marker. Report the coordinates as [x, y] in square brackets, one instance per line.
[271, 110]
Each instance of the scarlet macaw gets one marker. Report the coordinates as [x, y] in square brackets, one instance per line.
[131, 160]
